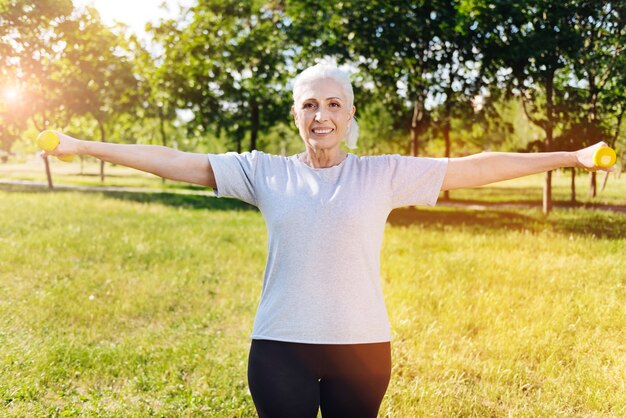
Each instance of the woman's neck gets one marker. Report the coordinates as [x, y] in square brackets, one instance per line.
[322, 158]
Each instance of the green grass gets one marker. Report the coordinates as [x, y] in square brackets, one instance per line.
[499, 313]
[127, 304]
[119, 307]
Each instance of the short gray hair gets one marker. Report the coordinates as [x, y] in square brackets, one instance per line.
[322, 71]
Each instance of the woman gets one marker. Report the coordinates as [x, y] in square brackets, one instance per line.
[321, 336]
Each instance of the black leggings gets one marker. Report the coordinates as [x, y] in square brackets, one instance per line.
[294, 379]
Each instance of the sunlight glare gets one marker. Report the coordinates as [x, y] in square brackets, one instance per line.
[10, 93]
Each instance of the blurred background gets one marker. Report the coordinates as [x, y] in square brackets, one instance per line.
[436, 78]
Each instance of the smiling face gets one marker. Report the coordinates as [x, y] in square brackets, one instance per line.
[322, 113]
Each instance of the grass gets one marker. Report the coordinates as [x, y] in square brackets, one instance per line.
[123, 308]
[511, 315]
[127, 304]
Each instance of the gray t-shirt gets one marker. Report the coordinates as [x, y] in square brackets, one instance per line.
[325, 231]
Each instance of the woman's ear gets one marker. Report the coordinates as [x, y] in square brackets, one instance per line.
[294, 114]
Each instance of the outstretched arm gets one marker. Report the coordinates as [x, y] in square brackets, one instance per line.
[490, 167]
[163, 161]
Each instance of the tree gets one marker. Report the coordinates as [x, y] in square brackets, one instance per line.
[14, 111]
[598, 69]
[228, 66]
[397, 43]
[525, 47]
[155, 91]
[455, 65]
[97, 73]
[68, 62]
[30, 47]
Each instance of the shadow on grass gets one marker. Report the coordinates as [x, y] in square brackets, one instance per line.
[495, 201]
[168, 184]
[597, 223]
[583, 220]
[520, 194]
[600, 224]
[481, 220]
[188, 201]
[537, 204]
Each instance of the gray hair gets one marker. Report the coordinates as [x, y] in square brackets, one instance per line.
[325, 71]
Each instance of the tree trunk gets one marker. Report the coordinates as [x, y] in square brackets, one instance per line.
[573, 186]
[162, 128]
[593, 91]
[239, 144]
[162, 131]
[254, 123]
[48, 174]
[592, 185]
[547, 188]
[547, 193]
[418, 114]
[102, 139]
[446, 138]
[45, 159]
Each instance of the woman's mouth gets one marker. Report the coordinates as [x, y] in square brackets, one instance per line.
[322, 131]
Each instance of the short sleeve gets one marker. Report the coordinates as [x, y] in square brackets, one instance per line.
[234, 175]
[416, 181]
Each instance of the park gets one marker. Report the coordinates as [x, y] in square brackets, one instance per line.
[125, 294]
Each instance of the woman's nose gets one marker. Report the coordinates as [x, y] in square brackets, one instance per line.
[320, 115]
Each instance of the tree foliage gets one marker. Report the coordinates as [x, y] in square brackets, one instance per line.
[410, 50]
[464, 74]
[228, 66]
[29, 43]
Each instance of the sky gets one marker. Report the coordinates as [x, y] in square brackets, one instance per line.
[135, 13]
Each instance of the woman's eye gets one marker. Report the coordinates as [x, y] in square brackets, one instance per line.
[308, 105]
[335, 104]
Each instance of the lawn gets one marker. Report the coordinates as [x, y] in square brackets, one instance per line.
[131, 304]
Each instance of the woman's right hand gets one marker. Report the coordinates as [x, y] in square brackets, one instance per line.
[67, 146]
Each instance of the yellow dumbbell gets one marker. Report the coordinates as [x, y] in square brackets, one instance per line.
[604, 157]
[48, 140]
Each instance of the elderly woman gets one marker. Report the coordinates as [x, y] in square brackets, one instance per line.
[321, 336]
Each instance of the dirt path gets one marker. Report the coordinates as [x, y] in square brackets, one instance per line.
[68, 187]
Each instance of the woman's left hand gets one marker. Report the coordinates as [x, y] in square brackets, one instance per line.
[584, 157]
